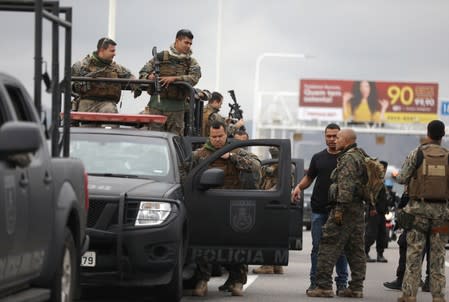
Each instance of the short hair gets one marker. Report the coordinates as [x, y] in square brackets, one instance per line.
[184, 33]
[332, 126]
[241, 133]
[435, 130]
[384, 163]
[104, 43]
[218, 124]
[216, 96]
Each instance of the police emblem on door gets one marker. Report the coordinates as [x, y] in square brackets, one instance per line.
[242, 215]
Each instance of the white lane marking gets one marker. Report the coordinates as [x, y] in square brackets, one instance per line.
[250, 280]
[447, 263]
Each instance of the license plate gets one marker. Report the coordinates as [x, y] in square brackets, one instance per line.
[88, 259]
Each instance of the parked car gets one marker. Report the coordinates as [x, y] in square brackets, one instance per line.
[43, 205]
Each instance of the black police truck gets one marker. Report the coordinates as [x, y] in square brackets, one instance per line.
[151, 214]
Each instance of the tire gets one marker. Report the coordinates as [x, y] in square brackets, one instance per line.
[64, 283]
[172, 292]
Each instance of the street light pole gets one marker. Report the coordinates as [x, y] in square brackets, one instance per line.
[257, 93]
[218, 51]
[111, 21]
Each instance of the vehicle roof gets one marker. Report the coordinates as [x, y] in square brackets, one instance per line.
[122, 131]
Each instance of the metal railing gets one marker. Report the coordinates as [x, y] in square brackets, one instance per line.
[193, 121]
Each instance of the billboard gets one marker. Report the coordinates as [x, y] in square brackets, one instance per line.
[368, 101]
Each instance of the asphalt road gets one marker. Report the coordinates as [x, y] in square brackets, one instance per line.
[290, 286]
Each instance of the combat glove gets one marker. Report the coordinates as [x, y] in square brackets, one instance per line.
[137, 92]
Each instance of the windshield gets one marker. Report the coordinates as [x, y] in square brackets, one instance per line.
[122, 156]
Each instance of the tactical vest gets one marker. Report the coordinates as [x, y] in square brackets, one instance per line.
[173, 66]
[205, 128]
[269, 177]
[103, 91]
[231, 173]
[430, 182]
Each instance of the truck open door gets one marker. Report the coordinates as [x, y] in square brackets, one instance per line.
[250, 226]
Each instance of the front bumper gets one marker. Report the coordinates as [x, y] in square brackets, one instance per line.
[147, 255]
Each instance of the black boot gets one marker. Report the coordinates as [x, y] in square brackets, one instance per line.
[369, 259]
[381, 258]
[396, 284]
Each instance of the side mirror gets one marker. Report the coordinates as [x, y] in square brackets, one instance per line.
[212, 178]
[19, 137]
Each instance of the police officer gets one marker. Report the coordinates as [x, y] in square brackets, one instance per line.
[176, 64]
[234, 162]
[376, 230]
[425, 170]
[345, 227]
[97, 96]
[211, 113]
[321, 166]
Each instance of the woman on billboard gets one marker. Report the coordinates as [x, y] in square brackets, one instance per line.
[362, 104]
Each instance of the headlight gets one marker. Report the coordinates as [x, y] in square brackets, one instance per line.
[152, 213]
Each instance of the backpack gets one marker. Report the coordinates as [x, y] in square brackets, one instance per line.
[375, 173]
[431, 179]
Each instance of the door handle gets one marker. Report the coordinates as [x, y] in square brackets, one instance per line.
[23, 180]
[47, 178]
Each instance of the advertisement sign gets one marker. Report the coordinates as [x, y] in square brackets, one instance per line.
[368, 101]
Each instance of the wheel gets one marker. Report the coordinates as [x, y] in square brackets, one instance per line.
[65, 277]
[172, 292]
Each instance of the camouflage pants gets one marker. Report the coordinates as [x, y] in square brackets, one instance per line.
[174, 123]
[347, 239]
[416, 242]
[237, 272]
[86, 105]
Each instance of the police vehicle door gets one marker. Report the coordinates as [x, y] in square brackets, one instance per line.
[248, 226]
[296, 210]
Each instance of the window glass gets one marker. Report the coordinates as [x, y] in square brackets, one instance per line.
[118, 155]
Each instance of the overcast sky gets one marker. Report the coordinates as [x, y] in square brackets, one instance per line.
[383, 40]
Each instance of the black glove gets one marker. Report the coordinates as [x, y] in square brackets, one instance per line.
[137, 92]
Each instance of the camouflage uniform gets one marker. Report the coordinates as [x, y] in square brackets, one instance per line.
[172, 98]
[427, 216]
[348, 179]
[97, 96]
[240, 161]
[210, 114]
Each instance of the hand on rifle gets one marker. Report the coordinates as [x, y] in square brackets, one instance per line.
[239, 123]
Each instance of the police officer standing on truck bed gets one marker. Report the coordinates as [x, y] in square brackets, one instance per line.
[239, 160]
[176, 64]
[426, 172]
[97, 96]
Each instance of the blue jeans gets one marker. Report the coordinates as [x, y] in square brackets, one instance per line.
[341, 267]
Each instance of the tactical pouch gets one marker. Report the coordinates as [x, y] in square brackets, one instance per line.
[405, 220]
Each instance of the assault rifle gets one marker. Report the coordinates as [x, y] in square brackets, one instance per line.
[157, 74]
[235, 113]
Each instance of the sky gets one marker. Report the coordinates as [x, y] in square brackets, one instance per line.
[380, 40]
